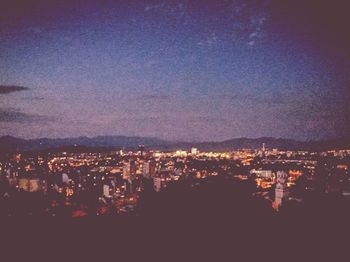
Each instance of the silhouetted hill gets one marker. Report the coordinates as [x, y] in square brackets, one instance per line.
[256, 143]
[217, 220]
[10, 144]
[249, 143]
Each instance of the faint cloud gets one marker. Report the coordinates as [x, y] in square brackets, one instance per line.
[33, 98]
[248, 20]
[252, 35]
[5, 89]
[148, 8]
[155, 97]
[212, 40]
[15, 115]
[251, 43]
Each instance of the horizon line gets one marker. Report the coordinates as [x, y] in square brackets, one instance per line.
[181, 141]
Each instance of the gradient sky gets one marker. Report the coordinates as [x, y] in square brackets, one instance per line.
[177, 70]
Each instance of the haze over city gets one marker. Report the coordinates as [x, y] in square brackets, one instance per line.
[177, 70]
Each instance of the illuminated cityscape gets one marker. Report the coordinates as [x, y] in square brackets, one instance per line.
[185, 130]
[113, 181]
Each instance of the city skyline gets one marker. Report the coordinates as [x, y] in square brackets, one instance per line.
[175, 70]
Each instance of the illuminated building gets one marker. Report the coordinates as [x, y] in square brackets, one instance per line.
[281, 191]
[65, 178]
[129, 171]
[30, 184]
[262, 173]
[180, 153]
[106, 190]
[344, 167]
[18, 158]
[157, 184]
[194, 151]
[141, 149]
[149, 169]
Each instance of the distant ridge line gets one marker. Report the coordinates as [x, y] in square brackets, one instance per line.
[10, 143]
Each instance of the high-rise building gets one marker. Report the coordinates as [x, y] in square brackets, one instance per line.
[141, 149]
[194, 151]
[106, 190]
[145, 169]
[121, 152]
[129, 171]
[157, 184]
[281, 191]
[149, 169]
[65, 178]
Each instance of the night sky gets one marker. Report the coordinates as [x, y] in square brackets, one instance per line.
[177, 70]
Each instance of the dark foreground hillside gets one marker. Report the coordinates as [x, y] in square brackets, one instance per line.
[217, 221]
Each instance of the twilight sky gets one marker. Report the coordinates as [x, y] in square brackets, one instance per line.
[177, 70]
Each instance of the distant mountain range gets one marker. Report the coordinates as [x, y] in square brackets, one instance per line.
[11, 144]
